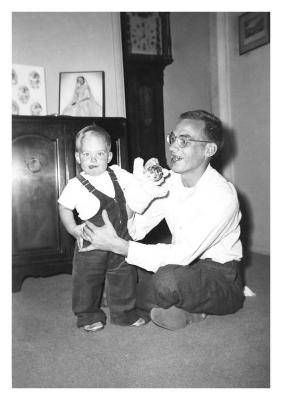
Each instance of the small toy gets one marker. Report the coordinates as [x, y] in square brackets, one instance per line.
[153, 171]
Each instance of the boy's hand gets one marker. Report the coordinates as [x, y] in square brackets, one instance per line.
[77, 233]
[129, 211]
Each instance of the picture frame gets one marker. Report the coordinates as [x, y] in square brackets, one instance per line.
[254, 31]
[28, 90]
[82, 94]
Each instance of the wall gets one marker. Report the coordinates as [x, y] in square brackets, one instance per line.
[63, 42]
[187, 79]
[208, 73]
[250, 106]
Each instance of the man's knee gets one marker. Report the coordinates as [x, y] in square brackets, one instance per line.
[165, 277]
[165, 286]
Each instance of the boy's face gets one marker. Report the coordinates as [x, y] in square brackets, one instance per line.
[93, 155]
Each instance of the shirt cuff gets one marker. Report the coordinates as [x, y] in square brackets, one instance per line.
[139, 254]
[136, 234]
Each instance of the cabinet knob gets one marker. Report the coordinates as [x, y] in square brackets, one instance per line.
[34, 165]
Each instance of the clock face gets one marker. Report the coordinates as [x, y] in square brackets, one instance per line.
[145, 33]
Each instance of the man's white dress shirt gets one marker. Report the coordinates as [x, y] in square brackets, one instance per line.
[203, 220]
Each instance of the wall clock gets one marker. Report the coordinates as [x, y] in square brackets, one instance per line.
[146, 33]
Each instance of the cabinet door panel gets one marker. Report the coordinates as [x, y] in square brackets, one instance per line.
[35, 193]
[39, 174]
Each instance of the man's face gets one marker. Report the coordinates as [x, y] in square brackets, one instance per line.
[93, 155]
[193, 157]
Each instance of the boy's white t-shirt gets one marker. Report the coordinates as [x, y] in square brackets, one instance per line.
[76, 196]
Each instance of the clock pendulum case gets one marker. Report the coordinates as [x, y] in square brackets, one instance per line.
[146, 52]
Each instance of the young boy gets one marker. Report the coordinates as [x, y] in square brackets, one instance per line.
[96, 188]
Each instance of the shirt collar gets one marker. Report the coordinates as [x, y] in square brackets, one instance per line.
[203, 179]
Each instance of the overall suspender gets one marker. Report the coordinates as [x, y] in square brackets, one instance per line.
[119, 195]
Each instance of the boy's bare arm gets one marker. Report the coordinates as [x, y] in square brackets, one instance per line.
[69, 223]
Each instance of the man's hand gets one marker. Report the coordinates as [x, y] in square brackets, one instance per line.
[104, 237]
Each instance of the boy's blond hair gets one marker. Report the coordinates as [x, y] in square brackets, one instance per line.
[92, 130]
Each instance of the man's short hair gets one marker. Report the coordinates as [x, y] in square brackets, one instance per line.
[96, 131]
[213, 125]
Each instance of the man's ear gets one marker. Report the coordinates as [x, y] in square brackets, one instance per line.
[110, 156]
[211, 149]
[77, 157]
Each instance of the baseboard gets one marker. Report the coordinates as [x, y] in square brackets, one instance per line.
[260, 250]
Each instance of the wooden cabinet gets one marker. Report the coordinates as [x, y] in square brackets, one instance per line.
[43, 162]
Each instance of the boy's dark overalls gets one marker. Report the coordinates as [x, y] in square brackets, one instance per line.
[91, 268]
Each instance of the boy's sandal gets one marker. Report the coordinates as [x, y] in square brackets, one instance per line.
[96, 326]
[139, 322]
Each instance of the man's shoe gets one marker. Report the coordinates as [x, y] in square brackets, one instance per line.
[139, 322]
[174, 318]
[96, 326]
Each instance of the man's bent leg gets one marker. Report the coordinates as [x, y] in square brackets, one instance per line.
[204, 287]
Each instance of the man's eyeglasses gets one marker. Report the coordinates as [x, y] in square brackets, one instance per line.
[100, 155]
[182, 140]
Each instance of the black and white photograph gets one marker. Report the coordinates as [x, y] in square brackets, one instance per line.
[254, 30]
[28, 90]
[82, 94]
[141, 212]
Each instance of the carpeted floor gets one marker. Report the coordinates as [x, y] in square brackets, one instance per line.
[221, 352]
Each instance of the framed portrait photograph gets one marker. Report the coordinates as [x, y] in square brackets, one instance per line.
[28, 90]
[82, 94]
[254, 30]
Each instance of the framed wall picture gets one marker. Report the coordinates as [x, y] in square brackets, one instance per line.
[82, 94]
[254, 30]
[28, 90]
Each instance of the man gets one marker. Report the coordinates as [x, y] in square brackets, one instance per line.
[198, 273]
